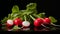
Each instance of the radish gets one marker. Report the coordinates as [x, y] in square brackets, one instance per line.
[25, 23]
[18, 22]
[47, 21]
[37, 22]
[9, 23]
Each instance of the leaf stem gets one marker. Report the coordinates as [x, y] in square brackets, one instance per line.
[37, 16]
[55, 25]
[44, 26]
[32, 17]
[25, 17]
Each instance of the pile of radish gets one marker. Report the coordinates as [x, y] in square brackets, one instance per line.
[20, 18]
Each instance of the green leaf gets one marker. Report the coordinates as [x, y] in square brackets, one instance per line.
[9, 16]
[35, 15]
[31, 6]
[22, 10]
[16, 27]
[29, 12]
[15, 9]
[53, 20]
[4, 20]
[31, 9]
[42, 15]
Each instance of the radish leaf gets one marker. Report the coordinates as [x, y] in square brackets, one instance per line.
[53, 20]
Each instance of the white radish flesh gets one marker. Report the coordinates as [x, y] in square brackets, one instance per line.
[10, 22]
[26, 23]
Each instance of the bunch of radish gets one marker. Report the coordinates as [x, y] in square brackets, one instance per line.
[21, 18]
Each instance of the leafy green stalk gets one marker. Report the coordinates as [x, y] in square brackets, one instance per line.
[15, 9]
[40, 15]
[31, 6]
[53, 20]
[15, 28]
[4, 20]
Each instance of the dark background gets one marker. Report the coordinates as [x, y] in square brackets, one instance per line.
[47, 6]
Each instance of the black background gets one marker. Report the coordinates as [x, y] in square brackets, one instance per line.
[47, 6]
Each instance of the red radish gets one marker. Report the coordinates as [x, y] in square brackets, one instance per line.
[37, 22]
[47, 21]
[9, 23]
[18, 21]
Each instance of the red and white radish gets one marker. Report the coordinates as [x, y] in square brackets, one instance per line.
[25, 23]
[9, 23]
